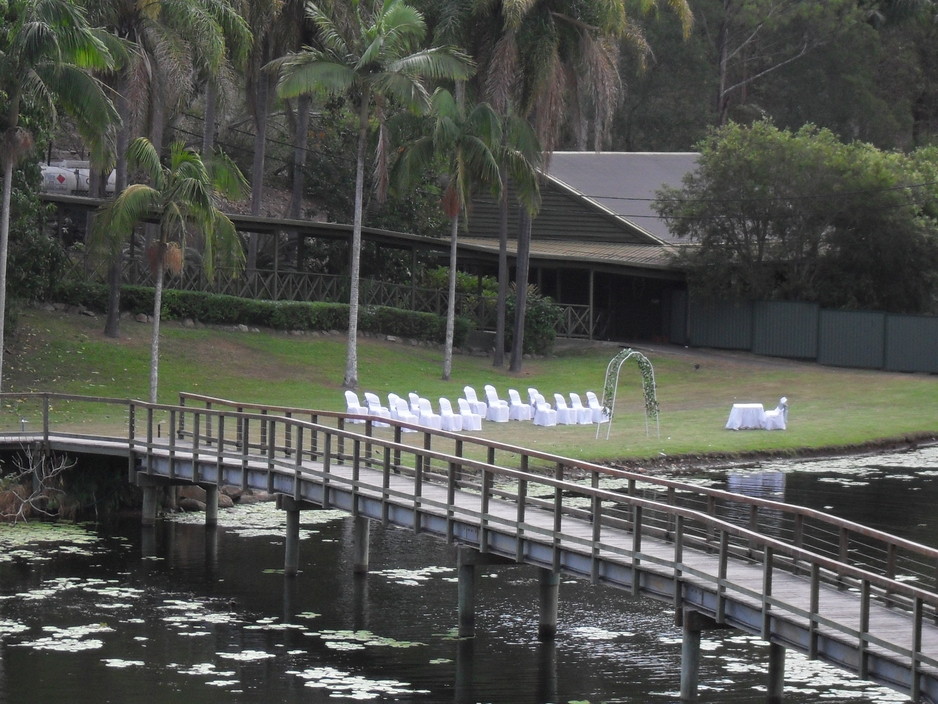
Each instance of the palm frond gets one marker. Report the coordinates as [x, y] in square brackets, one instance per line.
[142, 155]
[312, 73]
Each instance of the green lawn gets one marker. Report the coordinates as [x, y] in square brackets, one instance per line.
[830, 407]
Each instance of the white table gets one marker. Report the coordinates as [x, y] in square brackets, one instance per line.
[746, 415]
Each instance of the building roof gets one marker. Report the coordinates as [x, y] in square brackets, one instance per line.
[622, 184]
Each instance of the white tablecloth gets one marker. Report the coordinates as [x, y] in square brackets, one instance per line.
[746, 415]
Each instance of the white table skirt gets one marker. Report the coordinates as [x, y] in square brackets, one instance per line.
[744, 416]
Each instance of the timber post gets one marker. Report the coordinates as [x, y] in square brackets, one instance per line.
[466, 567]
[361, 539]
[548, 592]
[211, 505]
[776, 684]
[694, 623]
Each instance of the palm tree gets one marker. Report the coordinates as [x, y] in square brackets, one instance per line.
[46, 47]
[520, 157]
[164, 46]
[553, 60]
[180, 198]
[369, 54]
[465, 144]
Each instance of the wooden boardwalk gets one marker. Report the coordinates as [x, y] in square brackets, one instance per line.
[860, 599]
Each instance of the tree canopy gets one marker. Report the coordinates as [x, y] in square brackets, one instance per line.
[776, 214]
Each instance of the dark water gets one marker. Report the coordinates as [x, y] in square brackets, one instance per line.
[203, 617]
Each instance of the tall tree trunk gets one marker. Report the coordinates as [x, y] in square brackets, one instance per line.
[257, 165]
[121, 141]
[208, 123]
[155, 341]
[351, 356]
[498, 358]
[451, 300]
[4, 248]
[303, 105]
[521, 286]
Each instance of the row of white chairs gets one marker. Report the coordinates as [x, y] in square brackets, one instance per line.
[470, 410]
[415, 410]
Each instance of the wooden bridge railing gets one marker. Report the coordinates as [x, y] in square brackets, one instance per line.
[506, 473]
[777, 536]
[845, 541]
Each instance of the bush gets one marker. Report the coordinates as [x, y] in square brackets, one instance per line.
[540, 322]
[217, 309]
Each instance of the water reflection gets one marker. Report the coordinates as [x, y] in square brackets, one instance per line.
[179, 612]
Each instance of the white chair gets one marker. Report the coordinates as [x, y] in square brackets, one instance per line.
[354, 406]
[584, 416]
[517, 409]
[401, 411]
[414, 403]
[376, 409]
[475, 404]
[498, 408]
[543, 413]
[777, 419]
[565, 414]
[450, 420]
[427, 417]
[470, 419]
[599, 415]
[532, 399]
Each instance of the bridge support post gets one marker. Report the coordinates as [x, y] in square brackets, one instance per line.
[361, 540]
[548, 592]
[690, 662]
[466, 568]
[694, 623]
[776, 684]
[150, 504]
[291, 559]
[211, 505]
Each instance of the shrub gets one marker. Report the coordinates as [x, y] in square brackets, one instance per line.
[540, 322]
[217, 309]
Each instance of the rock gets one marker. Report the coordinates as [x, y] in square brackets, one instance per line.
[234, 492]
[225, 501]
[191, 492]
[142, 318]
[191, 505]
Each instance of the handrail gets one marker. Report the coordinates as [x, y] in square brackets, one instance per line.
[842, 527]
[612, 510]
[274, 436]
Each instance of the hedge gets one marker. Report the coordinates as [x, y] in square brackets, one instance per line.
[217, 309]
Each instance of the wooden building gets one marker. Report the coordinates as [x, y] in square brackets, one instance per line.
[597, 247]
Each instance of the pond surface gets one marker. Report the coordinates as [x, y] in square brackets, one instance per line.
[185, 614]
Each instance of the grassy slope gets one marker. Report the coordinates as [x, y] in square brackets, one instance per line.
[830, 407]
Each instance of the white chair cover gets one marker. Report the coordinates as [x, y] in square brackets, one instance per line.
[376, 409]
[414, 403]
[777, 419]
[498, 408]
[427, 417]
[470, 420]
[532, 399]
[353, 405]
[450, 420]
[475, 404]
[517, 409]
[401, 411]
[543, 413]
[596, 407]
[565, 414]
[584, 416]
